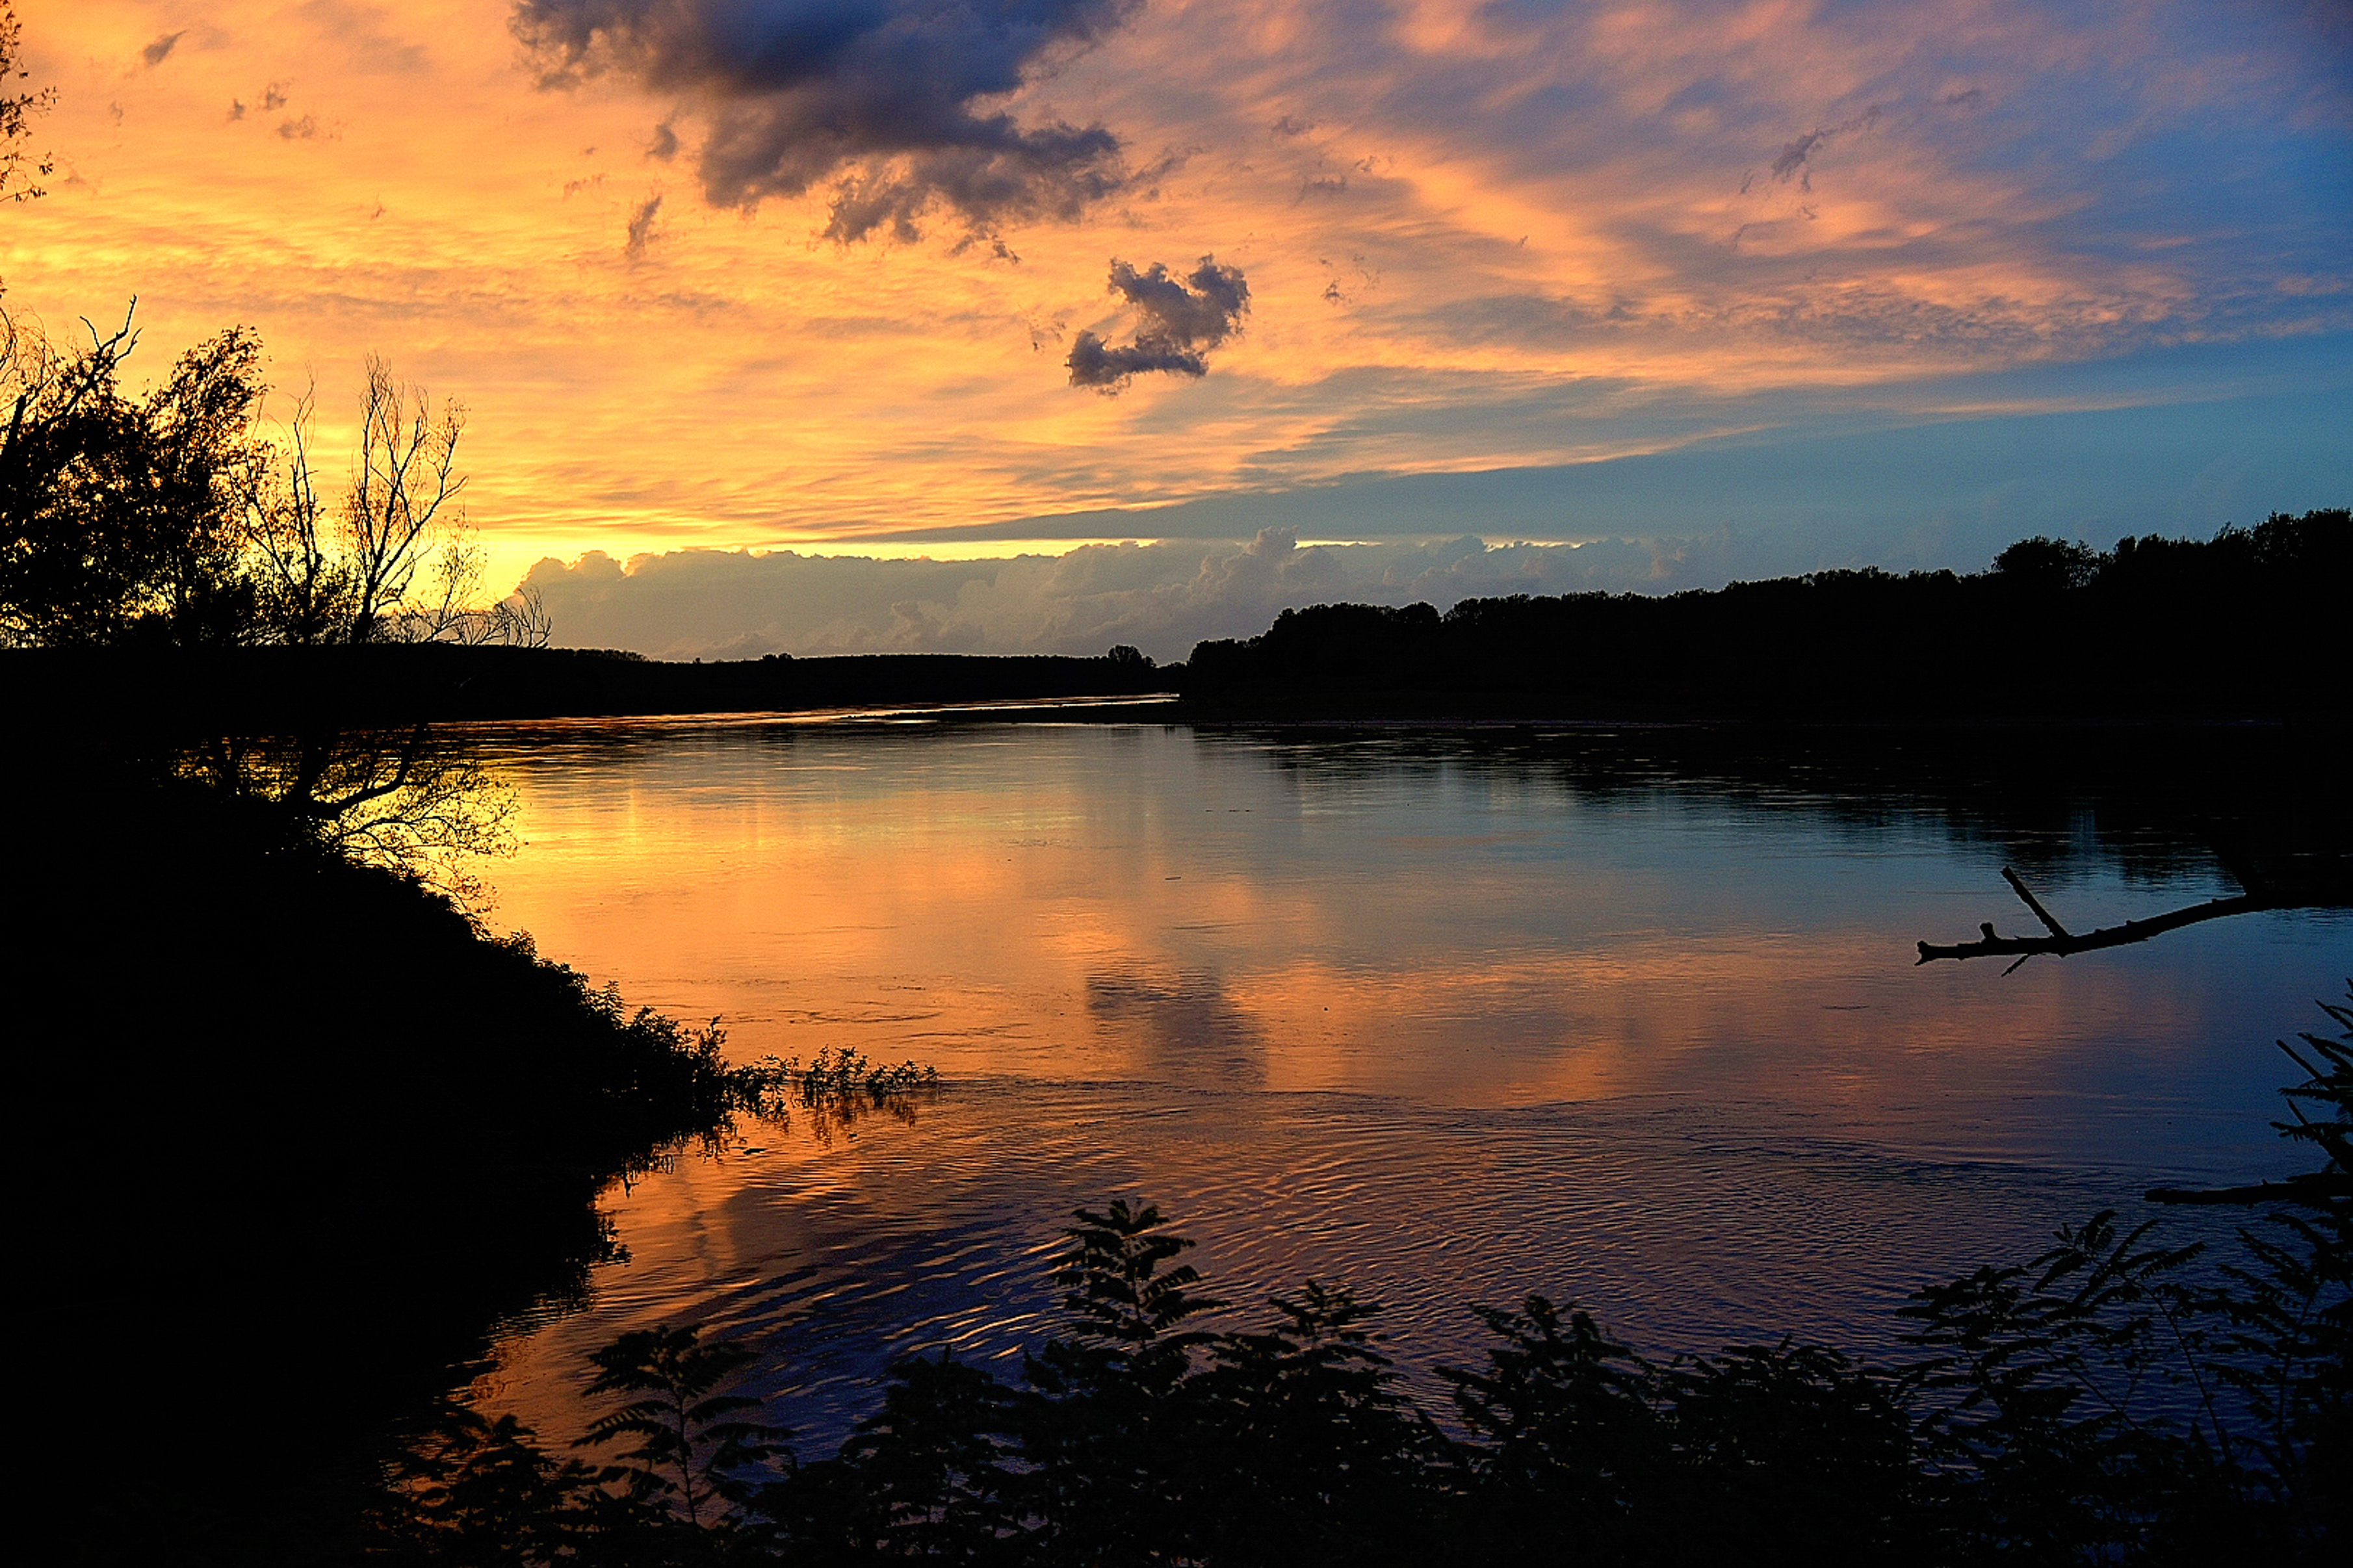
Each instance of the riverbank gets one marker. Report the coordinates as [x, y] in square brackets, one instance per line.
[183, 693]
[309, 1133]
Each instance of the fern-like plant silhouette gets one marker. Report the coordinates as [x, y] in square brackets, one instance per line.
[682, 1427]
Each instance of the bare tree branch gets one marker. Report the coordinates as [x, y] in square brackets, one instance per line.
[2035, 904]
[2324, 884]
[404, 475]
[2060, 942]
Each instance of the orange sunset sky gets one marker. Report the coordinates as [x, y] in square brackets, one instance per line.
[1743, 287]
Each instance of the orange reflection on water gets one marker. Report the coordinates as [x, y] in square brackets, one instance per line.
[1444, 1024]
[1094, 903]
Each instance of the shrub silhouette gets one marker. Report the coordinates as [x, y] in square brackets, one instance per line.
[2039, 1417]
[682, 1428]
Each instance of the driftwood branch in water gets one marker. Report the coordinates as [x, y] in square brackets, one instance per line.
[2061, 941]
[2314, 1188]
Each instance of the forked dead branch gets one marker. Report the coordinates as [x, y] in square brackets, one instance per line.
[2323, 886]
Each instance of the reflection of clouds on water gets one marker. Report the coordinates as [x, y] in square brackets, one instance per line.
[1445, 1019]
[1191, 1029]
[1489, 919]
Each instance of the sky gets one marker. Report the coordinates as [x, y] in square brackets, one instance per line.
[838, 326]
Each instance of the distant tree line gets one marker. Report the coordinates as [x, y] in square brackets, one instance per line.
[2249, 620]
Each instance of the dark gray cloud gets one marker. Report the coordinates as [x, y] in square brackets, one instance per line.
[156, 53]
[1794, 156]
[1178, 321]
[1797, 157]
[881, 98]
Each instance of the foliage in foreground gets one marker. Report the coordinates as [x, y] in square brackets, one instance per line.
[2096, 1404]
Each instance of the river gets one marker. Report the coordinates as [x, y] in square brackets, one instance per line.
[1444, 1016]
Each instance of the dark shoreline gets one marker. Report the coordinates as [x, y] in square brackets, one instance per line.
[310, 1134]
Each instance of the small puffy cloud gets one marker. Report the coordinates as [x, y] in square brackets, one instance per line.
[156, 53]
[893, 102]
[1178, 321]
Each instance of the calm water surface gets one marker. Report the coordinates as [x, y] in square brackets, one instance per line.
[1445, 1018]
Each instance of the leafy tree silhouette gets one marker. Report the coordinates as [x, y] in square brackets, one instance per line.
[15, 110]
[1109, 1425]
[1564, 1432]
[1313, 1452]
[679, 1420]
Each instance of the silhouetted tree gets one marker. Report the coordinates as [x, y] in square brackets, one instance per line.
[2047, 566]
[1566, 1441]
[118, 517]
[16, 110]
[168, 523]
[172, 519]
[1106, 1432]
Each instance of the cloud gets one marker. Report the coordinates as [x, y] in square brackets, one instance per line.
[892, 101]
[641, 226]
[1177, 322]
[1797, 157]
[1163, 597]
[156, 53]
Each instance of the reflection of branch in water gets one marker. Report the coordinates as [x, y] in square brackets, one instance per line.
[839, 1088]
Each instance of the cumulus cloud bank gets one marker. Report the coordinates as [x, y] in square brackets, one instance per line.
[1177, 322]
[1162, 597]
[883, 97]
